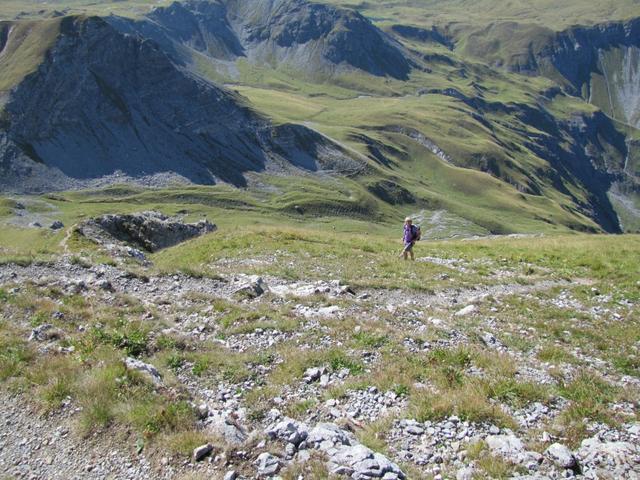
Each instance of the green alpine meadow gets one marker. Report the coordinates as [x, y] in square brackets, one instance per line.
[319, 239]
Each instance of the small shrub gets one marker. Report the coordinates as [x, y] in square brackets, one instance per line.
[400, 389]
[174, 362]
[370, 340]
[200, 366]
[339, 360]
[555, 354]
[627, 365]
[15, 354]
[38, 319]
[130, 338]
[165, 342]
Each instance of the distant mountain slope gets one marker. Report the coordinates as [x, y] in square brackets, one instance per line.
[102, 103]
[587, 60]
[305, 36]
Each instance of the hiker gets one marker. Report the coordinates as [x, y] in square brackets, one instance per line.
[411, 235]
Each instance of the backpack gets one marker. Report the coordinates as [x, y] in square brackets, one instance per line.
[415, 232]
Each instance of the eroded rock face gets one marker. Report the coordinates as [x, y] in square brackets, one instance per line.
[150, 231]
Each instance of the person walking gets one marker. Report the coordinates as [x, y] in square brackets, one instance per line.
[409, 238]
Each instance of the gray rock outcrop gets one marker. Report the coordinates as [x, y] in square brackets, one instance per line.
[150, 231]
[346, 456]
[147, 370]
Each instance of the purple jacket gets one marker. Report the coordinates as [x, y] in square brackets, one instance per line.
[408, 234]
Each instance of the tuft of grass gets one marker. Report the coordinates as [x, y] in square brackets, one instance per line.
[15, 355]
[338, 360]
[489, 466]
[515, 393]
[555, 354]
[153, 415]
[300, 408]
[132, 337]
[590, 396]
[370, 340]
[175, 361]
[469, 402]
[627, 364]
[183, 442]
[315, 468]
[374, 435]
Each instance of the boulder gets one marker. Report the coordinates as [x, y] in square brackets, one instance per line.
[227, 429]
[288, 430]
[363, 463]
[314, 373]
[594, 451]
[468, 310]
[253, 288]
[147, 370]
[149, 231]
[268, 465]
[202, 451]
[466, 473]
[327, 435]
[561, 456]
[490, 340]
[45, 332]
[507, 446]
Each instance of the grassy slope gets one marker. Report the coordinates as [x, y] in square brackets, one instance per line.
[552, 14]
[9, 9]
[27, 43]
[426, 12]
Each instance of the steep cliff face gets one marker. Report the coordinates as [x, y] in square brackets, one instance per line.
[103, 104]
[600, 63]
[309, 37]
[615, 85]
[590, 160]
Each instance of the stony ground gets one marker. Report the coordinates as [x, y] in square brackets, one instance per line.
[309, 379]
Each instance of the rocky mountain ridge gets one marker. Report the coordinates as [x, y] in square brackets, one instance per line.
[309, 37]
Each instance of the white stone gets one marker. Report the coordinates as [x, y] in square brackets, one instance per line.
[561, 455]
[469, 309]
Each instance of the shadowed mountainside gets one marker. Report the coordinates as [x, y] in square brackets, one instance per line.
[102, 103]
